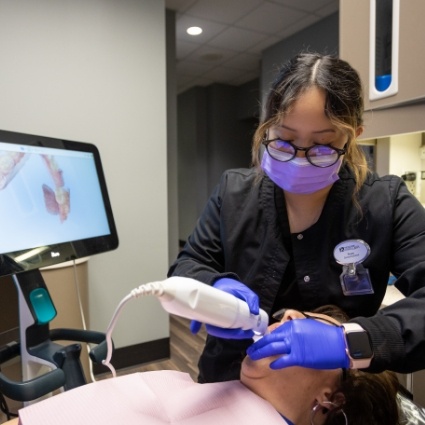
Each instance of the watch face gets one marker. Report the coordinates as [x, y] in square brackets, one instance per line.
[359, 345]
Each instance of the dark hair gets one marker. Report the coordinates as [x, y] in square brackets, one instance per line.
[344, 102]
[366, 398]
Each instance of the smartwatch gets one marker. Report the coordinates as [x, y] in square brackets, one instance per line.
[359, 346]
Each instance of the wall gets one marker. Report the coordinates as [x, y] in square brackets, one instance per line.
[95, 71]
[399, 154]
[214, 133]
[229, 136]
[322, 37]
[172, 186]
[404, 155]
[192, 157]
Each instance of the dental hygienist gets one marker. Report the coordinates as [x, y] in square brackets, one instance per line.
[310, 225]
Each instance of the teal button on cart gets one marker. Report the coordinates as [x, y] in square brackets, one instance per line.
[43, 306]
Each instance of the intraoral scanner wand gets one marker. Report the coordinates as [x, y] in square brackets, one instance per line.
[197, 301]
[194, 300]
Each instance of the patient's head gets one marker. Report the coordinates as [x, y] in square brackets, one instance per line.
[302, 394]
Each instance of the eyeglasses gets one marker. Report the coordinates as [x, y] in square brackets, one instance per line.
[318, 155]
[278, 316]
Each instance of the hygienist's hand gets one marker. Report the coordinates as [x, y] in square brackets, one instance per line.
[241, 291]
[303, 342]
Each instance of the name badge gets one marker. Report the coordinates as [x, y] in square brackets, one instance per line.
[355, 279]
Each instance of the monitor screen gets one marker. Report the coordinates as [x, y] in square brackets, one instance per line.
[54, 204]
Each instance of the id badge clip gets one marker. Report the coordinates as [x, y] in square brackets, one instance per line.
[355, 279]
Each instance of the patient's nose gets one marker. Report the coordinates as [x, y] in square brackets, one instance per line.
[284, 315]
[291, 314]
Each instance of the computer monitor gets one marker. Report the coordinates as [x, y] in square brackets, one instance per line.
[54, 204]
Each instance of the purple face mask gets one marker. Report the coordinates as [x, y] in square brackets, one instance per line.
[298, 175]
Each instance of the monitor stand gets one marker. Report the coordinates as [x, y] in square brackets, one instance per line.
[36, 311]
[46, 365]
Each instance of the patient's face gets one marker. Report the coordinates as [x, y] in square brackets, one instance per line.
[292, 391]
[255, 373]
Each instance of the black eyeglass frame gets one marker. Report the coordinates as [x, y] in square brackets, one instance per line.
[278, 315]
[306, 151]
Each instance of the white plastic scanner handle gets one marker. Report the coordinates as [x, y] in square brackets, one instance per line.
[194, 300]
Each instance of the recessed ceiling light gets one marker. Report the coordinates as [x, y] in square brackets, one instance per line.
[194, 30]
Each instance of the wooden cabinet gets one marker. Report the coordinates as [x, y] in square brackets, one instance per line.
[355, 35]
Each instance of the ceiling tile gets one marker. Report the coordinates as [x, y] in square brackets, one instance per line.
[223, 11]
[184, 80]
[192, 68]
[264, 44]
[245, 62]
[187, 84]
[185, 48]
[178, 4]
[298, 26]
[237, 39]
[224, 75]
[306, 5]
[269, 18]
[328, 10]
[210, 54]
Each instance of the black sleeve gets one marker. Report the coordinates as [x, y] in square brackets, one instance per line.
[398, 331]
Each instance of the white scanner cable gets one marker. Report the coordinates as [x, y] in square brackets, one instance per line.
[194, 300]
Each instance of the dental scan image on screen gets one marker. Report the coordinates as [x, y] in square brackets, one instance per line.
[48, 196]
[54, 203]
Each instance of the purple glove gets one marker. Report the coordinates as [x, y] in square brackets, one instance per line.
[303, 342]
[241, 291]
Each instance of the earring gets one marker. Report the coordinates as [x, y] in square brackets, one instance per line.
[318, 406]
